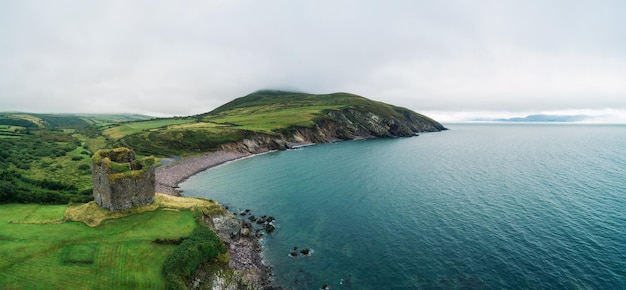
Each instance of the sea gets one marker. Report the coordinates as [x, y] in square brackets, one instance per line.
[479, 206]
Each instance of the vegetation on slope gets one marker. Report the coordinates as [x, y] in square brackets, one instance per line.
[269, 100]
[263, 113]
[45, 158]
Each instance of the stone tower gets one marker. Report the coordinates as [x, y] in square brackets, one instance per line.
[120, 181]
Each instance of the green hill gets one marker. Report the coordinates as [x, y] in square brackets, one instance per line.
[273, 120]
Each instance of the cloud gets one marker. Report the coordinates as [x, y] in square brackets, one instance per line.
[188, 57]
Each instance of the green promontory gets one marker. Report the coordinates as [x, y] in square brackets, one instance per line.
[274, 120]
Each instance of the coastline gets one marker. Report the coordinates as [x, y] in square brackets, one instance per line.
[245, 251]
[169, 176]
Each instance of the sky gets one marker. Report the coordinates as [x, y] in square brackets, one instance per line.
[451, 60]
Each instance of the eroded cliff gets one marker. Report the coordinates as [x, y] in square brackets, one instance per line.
[337, 125]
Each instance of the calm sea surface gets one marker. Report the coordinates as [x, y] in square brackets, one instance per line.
[510, 206]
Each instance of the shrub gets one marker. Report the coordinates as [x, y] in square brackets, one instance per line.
[201, 245]
[16, 188]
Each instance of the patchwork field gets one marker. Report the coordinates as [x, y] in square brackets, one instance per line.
[268, 119]
[38, 249]
[126, 129]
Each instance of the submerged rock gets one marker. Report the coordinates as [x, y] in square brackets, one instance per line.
[269, 228]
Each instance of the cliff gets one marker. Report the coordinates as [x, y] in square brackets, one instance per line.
[337, 125]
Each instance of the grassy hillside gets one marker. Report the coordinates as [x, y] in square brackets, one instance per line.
[272, 111]
[262, 112]
[128, 128]
[269, 100]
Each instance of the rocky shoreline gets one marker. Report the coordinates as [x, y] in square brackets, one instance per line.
[244, 249]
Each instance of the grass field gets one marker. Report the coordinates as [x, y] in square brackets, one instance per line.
[38, 250]
[267, 119]
[7, 131]
[126, 129]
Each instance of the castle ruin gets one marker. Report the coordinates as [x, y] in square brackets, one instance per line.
[120, 181]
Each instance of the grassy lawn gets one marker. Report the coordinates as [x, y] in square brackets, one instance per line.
[38, 250]
[135, 127]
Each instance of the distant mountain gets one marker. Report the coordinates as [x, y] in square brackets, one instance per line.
[545, 118]
[36, 120]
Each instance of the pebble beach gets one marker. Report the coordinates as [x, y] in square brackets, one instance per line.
[169, 176]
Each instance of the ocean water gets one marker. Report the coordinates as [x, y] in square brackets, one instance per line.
[481, 206]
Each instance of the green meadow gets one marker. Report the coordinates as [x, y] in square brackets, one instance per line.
[130, 128]
[40, 250]
[269, 119]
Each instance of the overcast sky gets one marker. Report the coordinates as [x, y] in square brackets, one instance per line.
[446, 58]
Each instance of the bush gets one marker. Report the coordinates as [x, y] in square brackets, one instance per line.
[86, 191]
[201, 245]
[84, 167]
[77, 158]
[17, 188]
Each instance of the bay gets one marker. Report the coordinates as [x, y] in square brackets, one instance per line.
[515, 206]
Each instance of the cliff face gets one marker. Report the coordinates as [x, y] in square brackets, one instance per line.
[346, 124]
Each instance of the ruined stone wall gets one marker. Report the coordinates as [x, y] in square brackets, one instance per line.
[131, 192]
[124, 182]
